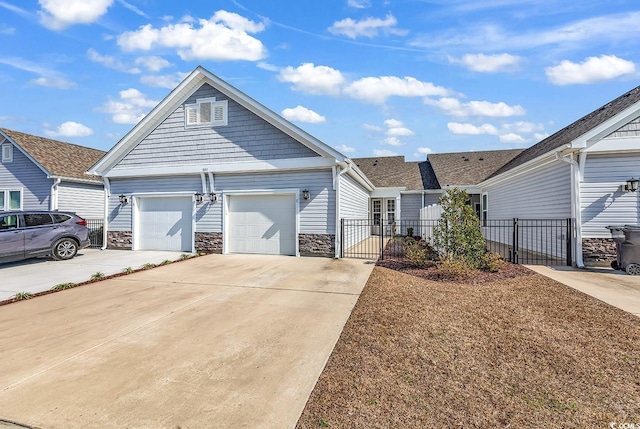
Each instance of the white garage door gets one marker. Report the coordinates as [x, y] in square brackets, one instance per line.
[165, 223]
[263, 224]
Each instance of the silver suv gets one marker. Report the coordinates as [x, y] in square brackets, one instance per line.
[30, 234]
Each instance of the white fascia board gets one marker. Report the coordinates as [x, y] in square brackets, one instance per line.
[387, 192]
[618, 144]
[75, 180]
[235, 167]
[358, 175]
[424, 191]
[469, 189]
[607, 127]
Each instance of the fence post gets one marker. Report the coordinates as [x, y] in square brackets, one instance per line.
[382, 238]
[569, 242]
[515, 241]
[342, 238]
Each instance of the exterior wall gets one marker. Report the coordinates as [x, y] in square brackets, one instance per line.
[23, 174]
[354, 204]
[247, 137]
[84, 199]
[410, 206]
[602, 201]
[632, 129]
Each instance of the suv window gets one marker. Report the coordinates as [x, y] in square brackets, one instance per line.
[59, 218]
[8, 222]
[37, 219]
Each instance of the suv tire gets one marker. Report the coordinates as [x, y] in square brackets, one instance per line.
[65, 248]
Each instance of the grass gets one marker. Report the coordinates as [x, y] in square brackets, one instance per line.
[517, 352]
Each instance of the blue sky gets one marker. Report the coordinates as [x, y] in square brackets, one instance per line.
[369, 77]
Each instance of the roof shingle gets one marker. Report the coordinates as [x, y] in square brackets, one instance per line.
[469, 168]
[393, 171]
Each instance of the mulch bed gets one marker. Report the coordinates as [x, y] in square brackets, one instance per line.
[522, 351]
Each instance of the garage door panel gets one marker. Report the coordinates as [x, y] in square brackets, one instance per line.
[262, 224]
[165, 223]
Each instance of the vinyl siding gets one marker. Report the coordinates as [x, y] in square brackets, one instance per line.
[632, 129]
[354, 204]
[84, 199]
[410, 205]
[23, 174]
[247, 137]
[602, 201]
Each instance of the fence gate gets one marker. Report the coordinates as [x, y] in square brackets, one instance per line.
[520, 241]
[96, 236]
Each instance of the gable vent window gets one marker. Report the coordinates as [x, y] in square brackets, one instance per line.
[206, 111]
[7, 153]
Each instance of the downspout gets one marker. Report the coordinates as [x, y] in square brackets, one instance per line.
[212, 188]
[575, 194]
[105, 222]
[53, 198]
[338, 240]
[204, 183]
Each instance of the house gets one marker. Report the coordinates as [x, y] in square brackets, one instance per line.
[38, 173]
[211, 169]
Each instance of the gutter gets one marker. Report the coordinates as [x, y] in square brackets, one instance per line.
[338, 239]
[53, 197]
[105, 222]
[575, 203]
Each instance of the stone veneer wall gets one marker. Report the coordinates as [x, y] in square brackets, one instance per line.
[209, 242]
[598, 251]
[317, 245]
[119, 239]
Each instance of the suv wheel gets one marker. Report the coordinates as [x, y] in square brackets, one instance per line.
[65, 248]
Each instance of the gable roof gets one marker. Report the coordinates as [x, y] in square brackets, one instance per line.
[574, 130]
[469, 168]
[56, 158]
[394, 172]
[181, 93]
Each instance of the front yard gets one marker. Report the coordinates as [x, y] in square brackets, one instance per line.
[517, 352]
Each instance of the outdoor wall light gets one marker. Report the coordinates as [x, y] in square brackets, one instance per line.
[632, 185]
[198, 197]
[305, 194]
[213, 197]
[123, 199]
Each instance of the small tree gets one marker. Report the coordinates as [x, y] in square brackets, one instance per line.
[458, 236]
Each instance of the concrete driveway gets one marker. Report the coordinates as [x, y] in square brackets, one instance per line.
[37, 275]
[226, 341]
[616, 288]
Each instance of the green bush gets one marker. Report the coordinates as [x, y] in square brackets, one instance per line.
[409, 231]
[63, 286]
[419, 252]
[492, 262]
[21, 296]
[457, 269]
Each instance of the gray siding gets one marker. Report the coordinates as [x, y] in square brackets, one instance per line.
[247, 137]
[601, 198]
[23, 174]
[544, 193]
[410, 205]
[632, 129]
[84, 199]
[354, 204]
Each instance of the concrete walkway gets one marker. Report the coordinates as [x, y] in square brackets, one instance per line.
[37, 275]
[225, 341]
[616, 288]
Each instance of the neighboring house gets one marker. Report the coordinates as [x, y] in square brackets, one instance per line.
[37, 173]
[211, 169]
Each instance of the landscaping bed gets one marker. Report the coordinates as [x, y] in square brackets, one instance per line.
[513, 350]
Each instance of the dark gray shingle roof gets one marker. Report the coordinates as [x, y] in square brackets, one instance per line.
[469, 168]
[393, 171]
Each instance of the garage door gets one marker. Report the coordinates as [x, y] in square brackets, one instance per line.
[165, 223]
[263, 224]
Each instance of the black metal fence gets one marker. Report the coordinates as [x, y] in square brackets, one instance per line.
[96, 234]
[520, 241]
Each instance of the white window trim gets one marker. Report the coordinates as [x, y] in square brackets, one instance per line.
[484, 208]
[7, 149]
[224, 104]
[7, 199]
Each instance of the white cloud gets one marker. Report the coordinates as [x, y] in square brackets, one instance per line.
[512, 138]
[371, 127]
[266, 66]
[7, 31]
[48, 76]
[593, 69]
[302, 114]
[384, 152]
[523, 127]
[131, 107]
[313, 79]
[133, 9]
[111, 62]
[223, 37]
[470, 129]
[488, 63]
[358, 4]
[70, 129]
[367, 27]
[59, 14]
[377, 89]
[540, 136]
[54, 82]
[422, 151]
[153, 63]
[345, 149]
[169, 81]
[393, 141]
[397, 128]
[454, 107]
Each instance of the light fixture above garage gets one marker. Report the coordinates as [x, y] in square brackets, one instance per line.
[213, 197]
[198, 197]
[305, 194]
[123, 199]
[632, 185]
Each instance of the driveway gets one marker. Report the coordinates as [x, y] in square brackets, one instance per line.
[37, 275]
[225, 341]
[616, 288]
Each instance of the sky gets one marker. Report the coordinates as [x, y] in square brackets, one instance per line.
[368, 77]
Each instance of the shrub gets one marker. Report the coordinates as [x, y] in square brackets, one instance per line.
[492, 262]
[409, 231]
[148, 266]
[127, 270]
[457, 269]
[21, 296]
[97, 276]
[416, 254]
[63, 286]
[184, 256]
[166, 262]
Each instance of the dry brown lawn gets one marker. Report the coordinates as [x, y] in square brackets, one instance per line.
[521, 352]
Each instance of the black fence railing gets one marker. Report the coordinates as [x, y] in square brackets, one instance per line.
[96, 235]
[520, 241]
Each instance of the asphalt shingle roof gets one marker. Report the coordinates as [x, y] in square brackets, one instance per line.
[393, 171]
[469, 168]
[58, 158]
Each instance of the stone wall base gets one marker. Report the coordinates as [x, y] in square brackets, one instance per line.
[317, 245]
[119, 239]
[598, 251]
[209, 242]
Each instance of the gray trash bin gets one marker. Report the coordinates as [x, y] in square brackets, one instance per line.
[627, 240]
